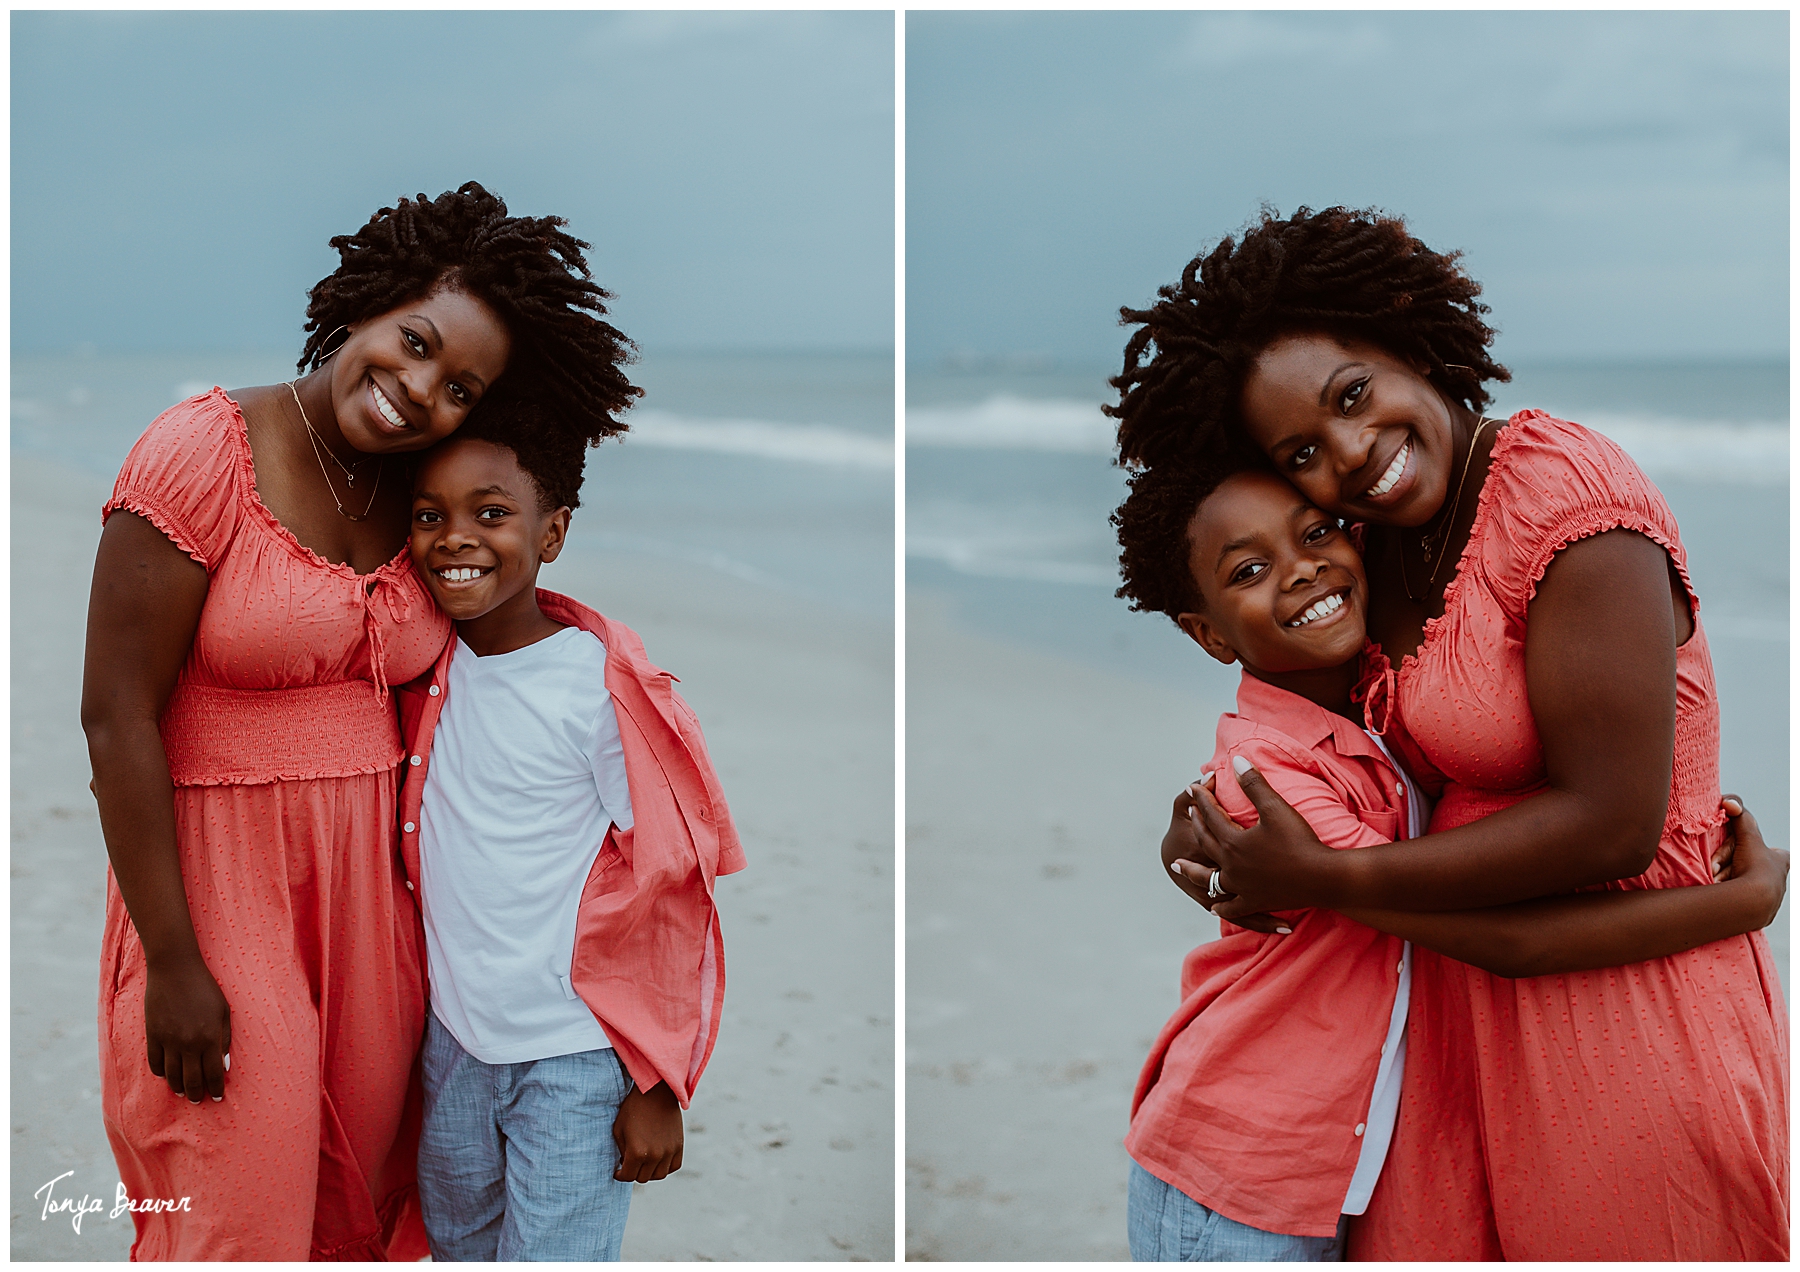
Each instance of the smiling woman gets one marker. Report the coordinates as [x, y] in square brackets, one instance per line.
[262, 998]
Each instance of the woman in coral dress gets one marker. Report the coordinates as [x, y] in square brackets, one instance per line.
[261, 987]
[1554, 689]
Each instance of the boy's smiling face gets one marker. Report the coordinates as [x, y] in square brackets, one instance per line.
[479, 531]
[1281, 584]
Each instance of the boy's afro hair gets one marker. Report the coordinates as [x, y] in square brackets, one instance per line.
[552, 453]
[526, 269]
[1348, 274]
[1152, 523]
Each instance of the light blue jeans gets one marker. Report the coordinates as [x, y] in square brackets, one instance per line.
[1165, 1225]
[516, 1160]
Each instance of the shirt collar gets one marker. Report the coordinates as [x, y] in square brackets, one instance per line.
[1301, 719]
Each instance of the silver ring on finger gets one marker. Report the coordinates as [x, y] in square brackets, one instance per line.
[1213, 890]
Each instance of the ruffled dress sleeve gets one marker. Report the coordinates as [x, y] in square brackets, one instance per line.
[1553, 483]
[184, 476]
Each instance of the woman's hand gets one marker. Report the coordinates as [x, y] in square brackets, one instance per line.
[1180, 845]
[1191, 867]
[1277, 864]
[187, 1028]
[1744, 856]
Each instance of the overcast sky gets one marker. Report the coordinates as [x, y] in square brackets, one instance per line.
[175, 177]
[1618, 181]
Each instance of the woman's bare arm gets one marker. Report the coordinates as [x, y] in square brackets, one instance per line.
[1604, 929]
[1560, 934]
[142, 614]
[1600, 675]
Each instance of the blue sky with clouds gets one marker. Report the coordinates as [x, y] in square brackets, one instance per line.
[175, 176]
[1618, 180]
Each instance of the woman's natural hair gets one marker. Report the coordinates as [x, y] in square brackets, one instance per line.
[551, 454]
[1152, 523]
[526, 269]
[1349, 274]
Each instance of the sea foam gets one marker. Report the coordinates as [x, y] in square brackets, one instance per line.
[797, 443]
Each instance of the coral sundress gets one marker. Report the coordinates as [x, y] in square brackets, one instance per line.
[282, 743]
[1631, 1113]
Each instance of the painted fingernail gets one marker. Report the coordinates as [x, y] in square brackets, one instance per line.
[218, 1099]
[1240, 765]
[1285, 931]
[1175, 866]
[228, 1062]
[1206, 779]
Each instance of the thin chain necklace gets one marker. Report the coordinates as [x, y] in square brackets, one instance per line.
[318, 445]
[1430, 543]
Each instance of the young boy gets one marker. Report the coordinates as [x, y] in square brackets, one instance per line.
[1263, 1115]
[561, 827]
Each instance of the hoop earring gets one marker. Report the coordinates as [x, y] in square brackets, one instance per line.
[324, 355]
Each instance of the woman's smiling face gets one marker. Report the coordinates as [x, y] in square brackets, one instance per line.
[1362, 433]
[405, 379]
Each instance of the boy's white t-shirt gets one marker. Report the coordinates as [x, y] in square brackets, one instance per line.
[1384, 1104]
[527, 774]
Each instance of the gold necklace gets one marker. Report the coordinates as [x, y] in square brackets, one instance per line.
[1430, 543]
[318, 444]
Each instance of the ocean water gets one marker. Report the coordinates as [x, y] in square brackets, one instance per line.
[1009, 483]
[775, 468]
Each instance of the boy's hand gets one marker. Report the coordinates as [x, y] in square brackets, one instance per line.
[648, 1132]
[1192, 872]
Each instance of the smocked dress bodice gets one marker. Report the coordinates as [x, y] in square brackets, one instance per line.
[288, 678]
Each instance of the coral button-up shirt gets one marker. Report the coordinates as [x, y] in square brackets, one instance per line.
[1256, 1095]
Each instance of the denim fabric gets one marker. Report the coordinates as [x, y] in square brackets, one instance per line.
[516, 1160]
[1165, 1225]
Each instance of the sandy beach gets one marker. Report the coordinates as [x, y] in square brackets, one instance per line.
[790, 1138]
[1042, 945]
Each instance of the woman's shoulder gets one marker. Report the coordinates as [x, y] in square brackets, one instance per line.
[185, 472]
[1551, 482]
[203, 431]
[1540, 455]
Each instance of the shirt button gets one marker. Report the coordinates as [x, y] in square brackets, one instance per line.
[1399, 787]
[434, 691]
[1398, 967]
[416, 761]
[409, 886]
[1360, 1126]
[409, 828]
